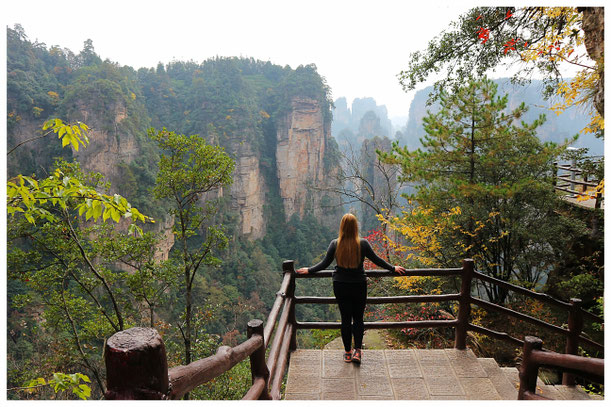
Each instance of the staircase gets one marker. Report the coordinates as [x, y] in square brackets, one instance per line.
[414, 374]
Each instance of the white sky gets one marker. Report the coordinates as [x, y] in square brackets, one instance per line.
[358, 46]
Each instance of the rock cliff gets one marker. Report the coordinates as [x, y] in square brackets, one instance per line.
[248, 191]
[108, 145]
[302, 136]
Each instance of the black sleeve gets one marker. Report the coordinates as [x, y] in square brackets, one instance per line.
[370, 254]
[329, 257]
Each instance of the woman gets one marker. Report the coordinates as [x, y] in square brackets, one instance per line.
[349, 282]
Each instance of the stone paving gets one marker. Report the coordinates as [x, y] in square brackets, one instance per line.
[414, 374]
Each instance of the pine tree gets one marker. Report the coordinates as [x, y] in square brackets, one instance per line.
[487, 174]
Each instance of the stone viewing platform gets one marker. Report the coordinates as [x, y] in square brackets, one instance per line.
[414, 374]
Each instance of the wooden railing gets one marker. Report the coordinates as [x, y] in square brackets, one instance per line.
[533, 357]
[462, 325]
[568, 178]
[136, 363]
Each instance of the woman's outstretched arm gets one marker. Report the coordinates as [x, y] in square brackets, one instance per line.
[324, 263]
[378, 261]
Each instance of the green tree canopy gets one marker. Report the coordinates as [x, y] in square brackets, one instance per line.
[491, 174]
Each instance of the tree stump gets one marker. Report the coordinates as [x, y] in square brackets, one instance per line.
[136, 365]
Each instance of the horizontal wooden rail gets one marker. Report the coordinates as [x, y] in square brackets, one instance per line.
[256, 389]
[533, 357]
[594, 317]
[382, 325]
[276, 380]
[495, 334]
[574, 192]
[274, 352]
[386, 273]
[519, 315]
[590, 342]
[574, 181]
[383, 300]
[568, 167]
[539, 296]
[589, 368]
[185, 378]
[273, 314]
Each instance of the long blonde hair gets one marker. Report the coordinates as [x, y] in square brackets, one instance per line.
[348, 252]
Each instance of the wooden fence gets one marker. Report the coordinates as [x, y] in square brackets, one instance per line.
[572, 180]
[136, 363]
[533, 357]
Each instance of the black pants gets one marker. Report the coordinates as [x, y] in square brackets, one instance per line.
[351, 298]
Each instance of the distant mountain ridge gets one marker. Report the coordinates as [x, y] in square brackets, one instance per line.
[556, 128]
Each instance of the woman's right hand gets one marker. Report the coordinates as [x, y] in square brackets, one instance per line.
[303, 270]
[400, 270]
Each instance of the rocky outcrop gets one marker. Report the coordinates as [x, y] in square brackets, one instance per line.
[301, 135]
[248, 192]
[108, 146]
[594, 29]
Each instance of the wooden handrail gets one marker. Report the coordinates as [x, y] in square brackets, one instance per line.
[533, 357]
[276, 380]
[383, 300]
[136, 365]
[574, 181]
[495, 334]
[275, 310]
[520, 316]
[274, 352]
[539, 296]
[382, 325]
[185, 378]
[386, 273]
[146, 346]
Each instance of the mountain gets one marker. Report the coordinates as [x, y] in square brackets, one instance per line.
[274, 121]
[555, 128]
[364, 120]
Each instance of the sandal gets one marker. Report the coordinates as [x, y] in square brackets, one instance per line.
[356, 356]
[348, 357]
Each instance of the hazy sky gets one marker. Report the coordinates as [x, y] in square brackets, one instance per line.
[358, 46]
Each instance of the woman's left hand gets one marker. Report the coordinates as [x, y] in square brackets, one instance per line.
[400, 270]
[303, 270]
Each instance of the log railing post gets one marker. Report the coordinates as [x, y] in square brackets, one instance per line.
[464, 305]
[555, 177]
[528, 370]
[573, 171]
[572, 342]
[258, 368]
[136, 365]
[288, 266]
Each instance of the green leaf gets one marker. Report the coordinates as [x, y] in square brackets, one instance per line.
[81, 209]
[116, 216]
[85, 391]
[29, 218]
[84, 377]
[106, 214]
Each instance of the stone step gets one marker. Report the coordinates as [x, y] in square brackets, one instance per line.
[408, 374]
[555, 392]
